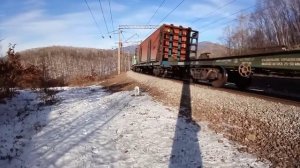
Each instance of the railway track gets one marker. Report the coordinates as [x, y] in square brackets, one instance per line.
[277, 89]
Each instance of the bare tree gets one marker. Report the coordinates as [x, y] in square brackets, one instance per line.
[273, 23]
[68, 63]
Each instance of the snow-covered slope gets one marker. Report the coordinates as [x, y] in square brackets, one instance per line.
[90, 127]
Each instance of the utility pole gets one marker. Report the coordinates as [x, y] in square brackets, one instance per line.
[121, 27]
[119, 52]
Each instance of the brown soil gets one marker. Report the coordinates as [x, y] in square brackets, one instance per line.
[124, 83]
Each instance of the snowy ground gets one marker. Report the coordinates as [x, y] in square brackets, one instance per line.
[90, 127]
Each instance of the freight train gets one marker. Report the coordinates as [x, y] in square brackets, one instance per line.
[172, 51]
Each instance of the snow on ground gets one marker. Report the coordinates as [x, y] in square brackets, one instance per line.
[90, 127]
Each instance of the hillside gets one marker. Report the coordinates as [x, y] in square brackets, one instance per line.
[130, 49]
[216, 50]
[66, 63]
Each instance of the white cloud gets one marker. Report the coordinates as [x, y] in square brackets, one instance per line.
[22, 18]
[33, 4]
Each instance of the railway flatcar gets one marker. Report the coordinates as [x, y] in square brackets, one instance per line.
[172, 50]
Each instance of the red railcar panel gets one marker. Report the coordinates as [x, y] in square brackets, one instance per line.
[150, 47]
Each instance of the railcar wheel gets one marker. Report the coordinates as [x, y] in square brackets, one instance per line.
[156, 71]
[165, 73]
[221, 79]
[193, 80]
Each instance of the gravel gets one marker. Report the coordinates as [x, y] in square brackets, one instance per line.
[270, 129]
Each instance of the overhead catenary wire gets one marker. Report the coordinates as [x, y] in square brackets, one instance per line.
[122, 34]
[227, 22]
[111, 17]
[135, 34]
[166, 16]
[171, 12]
[162, 2]
[93, 17]
[214, 11]
[218, 20]
[223, 24]
[103, 16]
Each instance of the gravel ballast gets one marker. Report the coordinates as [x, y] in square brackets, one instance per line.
[270, 129]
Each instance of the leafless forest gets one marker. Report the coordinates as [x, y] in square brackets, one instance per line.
[67, 63]
[57, 66]
[274, 24]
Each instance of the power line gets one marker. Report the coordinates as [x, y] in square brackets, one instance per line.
[93, 17]
[168, 14]
[103, 15]
[126, 41]
[220, 7]
[162, 2]
[226, 23]
[111, 18]
[218, 20]
[171, 11]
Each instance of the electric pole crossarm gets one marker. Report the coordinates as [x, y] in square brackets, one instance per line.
[138, 26]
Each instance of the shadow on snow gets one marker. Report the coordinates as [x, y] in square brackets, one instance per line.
[185, 149]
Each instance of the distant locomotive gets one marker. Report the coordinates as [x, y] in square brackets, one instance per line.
[172, 50]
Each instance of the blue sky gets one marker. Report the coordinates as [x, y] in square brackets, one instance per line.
[38, 23]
